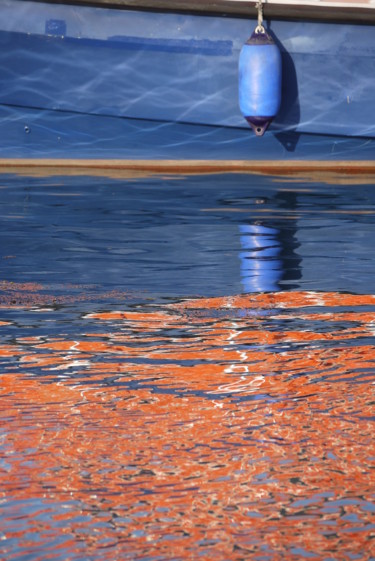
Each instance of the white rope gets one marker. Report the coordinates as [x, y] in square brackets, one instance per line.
[259, 28]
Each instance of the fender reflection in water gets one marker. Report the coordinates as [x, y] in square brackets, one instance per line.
[261, 267]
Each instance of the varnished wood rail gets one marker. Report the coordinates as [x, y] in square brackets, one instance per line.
[313, 12]
[346, 171]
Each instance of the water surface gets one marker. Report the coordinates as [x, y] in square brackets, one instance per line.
[187, 369]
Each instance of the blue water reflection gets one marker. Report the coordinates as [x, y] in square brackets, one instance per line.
[185, 236]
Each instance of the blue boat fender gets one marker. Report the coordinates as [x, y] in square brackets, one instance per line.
[259, 78]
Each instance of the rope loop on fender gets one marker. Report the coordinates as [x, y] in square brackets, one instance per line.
[259, 28]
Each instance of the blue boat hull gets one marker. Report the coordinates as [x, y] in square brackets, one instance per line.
[94, 82]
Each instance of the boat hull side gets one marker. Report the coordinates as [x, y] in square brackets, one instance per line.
[34, 133]
[179, 68]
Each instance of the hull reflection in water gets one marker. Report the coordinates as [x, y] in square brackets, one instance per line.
[218, 428]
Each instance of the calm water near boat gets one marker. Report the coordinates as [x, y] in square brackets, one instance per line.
[187, 368]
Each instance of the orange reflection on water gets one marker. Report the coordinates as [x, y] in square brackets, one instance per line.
[224, 428]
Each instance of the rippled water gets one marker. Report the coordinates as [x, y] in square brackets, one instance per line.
[187, 369]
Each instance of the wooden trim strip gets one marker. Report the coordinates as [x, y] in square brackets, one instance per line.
[195, 166]
[338, 14]
[334, 172]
